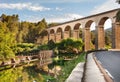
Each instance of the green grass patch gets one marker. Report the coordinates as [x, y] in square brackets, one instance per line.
[69, 66]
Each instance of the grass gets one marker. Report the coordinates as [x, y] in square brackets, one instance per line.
[69, 66]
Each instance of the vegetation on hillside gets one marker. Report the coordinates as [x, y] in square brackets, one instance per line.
[13, 32]
[18, 38]
[68, 66]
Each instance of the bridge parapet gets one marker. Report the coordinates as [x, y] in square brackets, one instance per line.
[40, 58]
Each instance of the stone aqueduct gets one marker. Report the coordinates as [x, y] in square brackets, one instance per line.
[71, 29]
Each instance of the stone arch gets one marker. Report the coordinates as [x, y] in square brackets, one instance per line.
[67, 28]
[102, 20]
[88, 24]
[58, 34]
[87, 35]
[52, 35]
[67, 32]
[52, 31]
[76, 31]
[59, 30]
[101, 33]
[77, 26]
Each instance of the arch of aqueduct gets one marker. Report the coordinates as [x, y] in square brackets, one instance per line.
[71, 29]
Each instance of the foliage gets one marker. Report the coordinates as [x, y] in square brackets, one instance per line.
[21, 74]
[108, 40]
[22, 48]
[93, 37]
[68, 67]
[6, 42]
[43, 47]
[80, 33]
[23, 31]
[53, 24]
[12, 31]
[51, 44]
[69, 44]
[118, 16]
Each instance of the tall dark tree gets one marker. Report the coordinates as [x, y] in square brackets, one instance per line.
[118, 1]
[118, 14]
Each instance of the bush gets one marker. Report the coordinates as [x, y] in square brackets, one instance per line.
[43, 47]
[69, 66]
[70, 45]
[21, 74]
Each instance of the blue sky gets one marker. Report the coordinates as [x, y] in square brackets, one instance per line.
[55, 10]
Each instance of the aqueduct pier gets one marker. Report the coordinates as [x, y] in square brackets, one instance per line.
[71, 29]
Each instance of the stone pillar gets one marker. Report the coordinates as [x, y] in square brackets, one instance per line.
[52, 37]
[72, 33]
[58, 36]
[45, 39]
[87, 38]
[76, 34]
[66, 34]
[62, 35]
[116, 35]
[100, 37]
[55, 37]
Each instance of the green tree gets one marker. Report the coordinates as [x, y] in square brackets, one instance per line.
[23, 31]
[30, 37]
[69, 45]
[12, 23]
[93, 37]
[118, 14]
[52, 24]
[118, 1]
[51, 45]
[80, 33]
[6, 42]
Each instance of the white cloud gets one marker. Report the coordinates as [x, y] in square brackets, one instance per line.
[66, 1]
[51, 18]
[108, 24]
[20, 6]
[64, 18]
[58, 9]
[108, 5]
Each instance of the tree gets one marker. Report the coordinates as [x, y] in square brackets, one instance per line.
[118, 14]
[118, 1]
[70, 45]
[80, 33]
[6, 42]
[51, 45]
[12, 23]
[52, 24]
[23, 31]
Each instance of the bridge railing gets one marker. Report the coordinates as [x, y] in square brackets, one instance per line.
[42, 58]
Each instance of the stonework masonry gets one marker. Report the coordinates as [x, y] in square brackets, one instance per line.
[71, 29]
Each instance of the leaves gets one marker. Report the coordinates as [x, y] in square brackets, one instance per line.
[69, 44]
[6, 42]
[118, 16]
